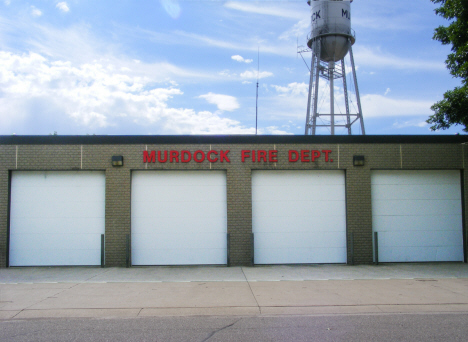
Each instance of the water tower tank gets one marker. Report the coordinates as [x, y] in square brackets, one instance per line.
[331, 22]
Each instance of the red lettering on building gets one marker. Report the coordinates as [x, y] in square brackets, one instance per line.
[199, 159]
[315, 154]
[245, 154]
[174, 155]
[293, 156]
[208, 156]
[223, 156]
[185, 156]
[149, 158]
[213, 156]
[261, 155]
[327, 155]
[160, 159]
[273, 156]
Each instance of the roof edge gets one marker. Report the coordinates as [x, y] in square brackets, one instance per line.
[228, 139]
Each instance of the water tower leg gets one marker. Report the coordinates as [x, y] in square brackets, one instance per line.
[309, 99]
[331, 71]
[317, 51]
[345, 87]
[358, 98]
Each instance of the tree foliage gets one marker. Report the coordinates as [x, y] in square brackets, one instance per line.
[453, 109]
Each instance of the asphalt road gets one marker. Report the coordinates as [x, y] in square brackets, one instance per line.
[376, 327]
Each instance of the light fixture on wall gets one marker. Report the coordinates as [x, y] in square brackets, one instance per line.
[358, 160]
[117, 160]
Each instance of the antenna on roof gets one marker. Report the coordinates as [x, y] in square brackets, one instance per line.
[256, 100]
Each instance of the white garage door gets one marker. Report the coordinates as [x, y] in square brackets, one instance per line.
[417, 215]
[56, 218]
[179, 218]
[299, 217]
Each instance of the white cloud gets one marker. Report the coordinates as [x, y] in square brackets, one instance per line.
[371, 57]
[387, 91]
[274, 130]
[292, 89]
[411, 123]
[223, 102]
[249, 74]
[251, 45]
[227, 73]
[374, 105]
[96, 96]
[268, 8]
[63, 6]
[171, 7]
[300, 29]
[35, 12]
[241, 59]
[78, 44]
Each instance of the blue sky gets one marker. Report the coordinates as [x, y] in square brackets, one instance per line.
[190, 67]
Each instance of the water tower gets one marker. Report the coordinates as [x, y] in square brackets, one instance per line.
[330, 40]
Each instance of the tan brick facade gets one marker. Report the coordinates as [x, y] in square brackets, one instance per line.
[94, 153]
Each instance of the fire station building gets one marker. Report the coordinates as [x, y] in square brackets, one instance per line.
[231, 200]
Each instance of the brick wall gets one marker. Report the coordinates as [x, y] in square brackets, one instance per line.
[391, 156]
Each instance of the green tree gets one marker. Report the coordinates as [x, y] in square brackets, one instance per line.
[453, 109]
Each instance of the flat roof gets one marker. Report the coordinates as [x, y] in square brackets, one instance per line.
[228, 139]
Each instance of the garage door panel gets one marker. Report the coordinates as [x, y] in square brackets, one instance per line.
[182, 241]
[56, 241]
[298, 216]
[58, 225]
[179, 218]
[289, 223]
[33, 194]
[59, 179]
[421, 254]
[300, 193]
[62, 210]
[417, 215]
[173, 179]
[180, 193]
[59, 214]
[187, 209]
[300, 177]
[299, 240]
[410, 238]
[418, 192]
[423, 223]
[175, 257]
[147, 225]
[69, 257]
[314, 209]
[292, 255]
[417, 177]
[448, 253]
[420, 207]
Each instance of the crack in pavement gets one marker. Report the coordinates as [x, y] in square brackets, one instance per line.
[99, 274]
[220, 329]
[253, 295]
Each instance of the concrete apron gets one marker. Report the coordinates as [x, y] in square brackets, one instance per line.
[276, 290]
